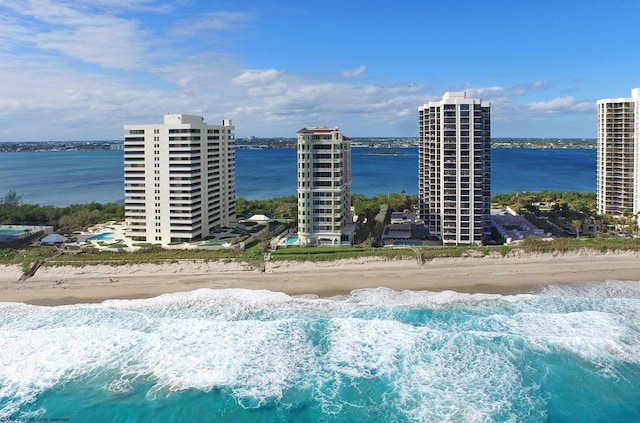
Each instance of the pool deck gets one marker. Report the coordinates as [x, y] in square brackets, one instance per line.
[117, 237]
[124, 243]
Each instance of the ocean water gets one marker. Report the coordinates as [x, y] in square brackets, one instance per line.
[538, 169]
[70, 177]
[564, 353]
[62, 178]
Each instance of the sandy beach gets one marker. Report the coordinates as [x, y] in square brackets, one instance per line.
[57, 285]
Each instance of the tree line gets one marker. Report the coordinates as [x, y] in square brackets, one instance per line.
[287, 207]
[76, 217]
[584, 202]
[13, 211]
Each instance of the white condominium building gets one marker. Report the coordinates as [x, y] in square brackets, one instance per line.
[324, 187]
[455, 168]
[618, 172]
[179, 179]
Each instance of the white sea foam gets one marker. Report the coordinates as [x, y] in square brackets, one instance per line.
[36, 360]
[597, 290]
[257, 360]
[462, 380]
[386, 296]
[230, 304]
[461, 356]
[601, 339]
[458, 378]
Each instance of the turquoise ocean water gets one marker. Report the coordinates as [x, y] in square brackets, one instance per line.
[563, 353]
[568, 353]
[69, 177]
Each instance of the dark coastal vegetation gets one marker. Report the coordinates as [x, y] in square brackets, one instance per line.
[566, 202]
[566, 210]
[574, 212]
[63, 219]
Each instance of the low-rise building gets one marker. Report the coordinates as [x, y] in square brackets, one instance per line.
[404, 226]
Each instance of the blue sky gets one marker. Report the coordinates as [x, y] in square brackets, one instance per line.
[81, 69]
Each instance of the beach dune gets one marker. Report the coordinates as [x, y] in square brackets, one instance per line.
[516, 273]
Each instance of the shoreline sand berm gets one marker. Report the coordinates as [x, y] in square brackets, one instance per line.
[516, 273]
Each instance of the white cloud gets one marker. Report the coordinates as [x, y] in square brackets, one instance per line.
[254, 78]
[563, 104]
[83, 69]
[498, 93]
[99, 44]
[354, 72]
[211, 21]
[69, 29]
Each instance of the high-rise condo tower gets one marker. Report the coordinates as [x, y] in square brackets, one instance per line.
[455, 168]
[179, 179]
[618, 174]
[324, 187]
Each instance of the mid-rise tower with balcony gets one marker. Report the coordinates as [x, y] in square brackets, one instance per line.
[324, 187]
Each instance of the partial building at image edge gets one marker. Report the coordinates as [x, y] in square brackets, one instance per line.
[618, 169]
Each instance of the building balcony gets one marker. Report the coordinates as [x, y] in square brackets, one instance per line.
[132, 160]
[135, 221]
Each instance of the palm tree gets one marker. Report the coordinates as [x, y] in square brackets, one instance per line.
[577, 223]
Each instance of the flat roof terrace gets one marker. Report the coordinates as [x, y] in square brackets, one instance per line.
[515, 227]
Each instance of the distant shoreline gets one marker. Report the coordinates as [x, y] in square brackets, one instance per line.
[517, 273]
[290, 143]
[381, 153]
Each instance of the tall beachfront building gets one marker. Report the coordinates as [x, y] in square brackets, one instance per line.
[455, 168]
[619, 155]
[179, 179]
[324, 187]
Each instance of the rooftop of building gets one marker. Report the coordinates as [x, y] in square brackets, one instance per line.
[635, 96]
[455, 97]
[179, 118]
[317, 130]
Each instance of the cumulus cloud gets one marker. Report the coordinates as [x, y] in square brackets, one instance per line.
[84, 68]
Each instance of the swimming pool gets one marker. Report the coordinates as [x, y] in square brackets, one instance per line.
[101, 237]
[12, 231]
[291, 240]
[407, 243]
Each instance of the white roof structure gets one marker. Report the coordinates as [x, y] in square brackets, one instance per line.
[259, 218]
